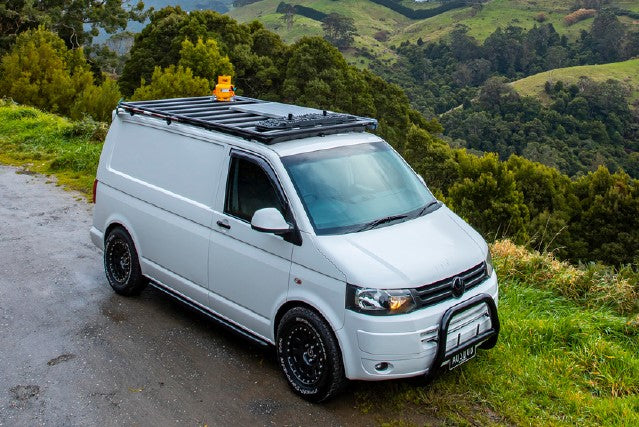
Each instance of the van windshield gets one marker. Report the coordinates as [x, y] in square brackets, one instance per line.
[358, 187]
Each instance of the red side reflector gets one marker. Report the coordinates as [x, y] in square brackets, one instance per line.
[95, 187]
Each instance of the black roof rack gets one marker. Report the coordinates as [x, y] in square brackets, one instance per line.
[252, 119]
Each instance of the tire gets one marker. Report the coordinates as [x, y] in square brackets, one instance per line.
[309, 355]
[121, 264]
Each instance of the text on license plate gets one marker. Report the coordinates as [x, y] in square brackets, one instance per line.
[461, 357]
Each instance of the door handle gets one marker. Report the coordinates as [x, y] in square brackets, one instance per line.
[223, 224]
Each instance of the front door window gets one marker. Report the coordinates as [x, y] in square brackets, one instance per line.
[249, 189]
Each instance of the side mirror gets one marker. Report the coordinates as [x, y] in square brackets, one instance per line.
[270, 220]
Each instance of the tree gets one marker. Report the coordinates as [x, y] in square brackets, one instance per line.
[288, 15]
[160, 43]
[488, 197]
[97, 101]
[172, 82]
[607, 36]
[339, 30]
[41, 71]
[75, 21]
[497, 95]
[204, 59]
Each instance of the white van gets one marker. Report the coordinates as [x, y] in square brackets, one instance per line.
[295, 228]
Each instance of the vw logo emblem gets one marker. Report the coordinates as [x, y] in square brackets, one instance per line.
[458, 287]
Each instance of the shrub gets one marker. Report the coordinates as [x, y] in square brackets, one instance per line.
[541, 17]
[579, 15]
[40, 71]
[205, 59]
[593, 285]
[97, 101]
[172, 82]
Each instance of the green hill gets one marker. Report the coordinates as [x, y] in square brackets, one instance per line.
[380, 28]
[626, 72]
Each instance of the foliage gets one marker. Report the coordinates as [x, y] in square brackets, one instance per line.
[172, 82]
[41, 71]
[75, 21]
[205, 60]
[443, 75]
[97, 101]
[594, 218]
[421, 13]
[256, 54]
[592, 285]
[606, 38]
[452, 78]
[49, 144]
[339, 30]
[586, 125]
[579, 15]
[308, 12]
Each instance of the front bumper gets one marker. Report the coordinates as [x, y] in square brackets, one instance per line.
[400, 346]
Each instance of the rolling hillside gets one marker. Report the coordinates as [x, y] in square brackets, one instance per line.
[380, 27]
[626, 72]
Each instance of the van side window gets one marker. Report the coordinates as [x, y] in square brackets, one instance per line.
[249, 189]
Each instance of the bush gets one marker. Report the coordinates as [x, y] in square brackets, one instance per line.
[42, 72]
[541, 17]
[205, 60]
[97, 101]
[172, 82]
[579, 15]
[592, 285]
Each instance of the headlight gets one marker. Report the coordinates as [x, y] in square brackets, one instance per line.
[379, 301]
[489, 264]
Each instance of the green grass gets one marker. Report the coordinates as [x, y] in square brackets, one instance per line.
[51, 145]
[627, 72]
[556, 363]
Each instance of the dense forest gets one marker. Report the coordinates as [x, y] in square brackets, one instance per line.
[593, 217]
[585, 125]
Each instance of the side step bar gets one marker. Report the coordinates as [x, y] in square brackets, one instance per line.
[232, 327]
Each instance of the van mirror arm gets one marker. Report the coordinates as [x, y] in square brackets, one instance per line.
[293, 236]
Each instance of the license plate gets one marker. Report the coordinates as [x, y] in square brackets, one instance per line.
[461, 357]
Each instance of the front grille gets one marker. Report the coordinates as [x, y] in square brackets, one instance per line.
[443, 289]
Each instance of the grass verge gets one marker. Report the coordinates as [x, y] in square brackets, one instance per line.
[51, 145]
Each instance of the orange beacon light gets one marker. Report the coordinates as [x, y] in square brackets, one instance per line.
[224, 90]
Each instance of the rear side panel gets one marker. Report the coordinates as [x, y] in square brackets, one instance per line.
[161, 185]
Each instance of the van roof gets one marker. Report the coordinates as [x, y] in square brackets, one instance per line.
[249, 118]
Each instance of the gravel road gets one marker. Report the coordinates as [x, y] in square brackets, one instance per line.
[74, 353]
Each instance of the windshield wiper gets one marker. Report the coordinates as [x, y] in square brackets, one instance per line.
[428, 206]
[378, 222]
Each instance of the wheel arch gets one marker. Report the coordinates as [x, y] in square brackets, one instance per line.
[116, 222]
[288, 305]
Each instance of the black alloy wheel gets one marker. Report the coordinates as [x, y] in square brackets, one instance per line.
[121, 263]
[309, 355]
